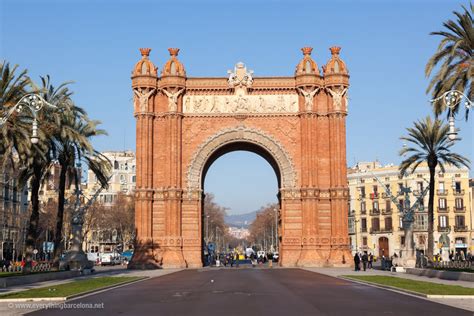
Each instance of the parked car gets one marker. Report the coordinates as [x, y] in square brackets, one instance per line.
[276, 256]
[109, 258]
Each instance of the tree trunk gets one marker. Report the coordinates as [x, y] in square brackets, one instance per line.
[32, 234]
[58, 245]
[431, 213]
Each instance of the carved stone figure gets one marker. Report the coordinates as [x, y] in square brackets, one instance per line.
[173, 99]
[337, 97]
[308, 98]
[142, 97]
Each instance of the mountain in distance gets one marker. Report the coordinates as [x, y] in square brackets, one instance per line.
[240, 220]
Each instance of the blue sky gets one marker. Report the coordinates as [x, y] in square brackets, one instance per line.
[95, 43]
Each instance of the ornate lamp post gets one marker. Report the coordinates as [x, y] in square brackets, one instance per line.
[32, 102]
[452, 99]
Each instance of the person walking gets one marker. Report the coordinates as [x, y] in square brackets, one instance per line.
[365, 259]
[371, 259]
[356, 262]
[236, 259]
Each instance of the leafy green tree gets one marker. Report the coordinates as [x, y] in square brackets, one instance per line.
[454, 59]
[429, 143]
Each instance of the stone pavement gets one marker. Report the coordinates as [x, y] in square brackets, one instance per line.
[467, 304]
[8, 308]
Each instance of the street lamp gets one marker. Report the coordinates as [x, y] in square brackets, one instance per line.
[34, 103]
[452, 99]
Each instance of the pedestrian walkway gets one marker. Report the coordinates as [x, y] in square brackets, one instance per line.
[467, 304]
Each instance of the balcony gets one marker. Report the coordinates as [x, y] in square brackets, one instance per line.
[361, 197]
[385, 195]
[458, 192]
[387, 211]
[443, 210]
[374, 212]
[443, 229]
[363, 212]
[375, 230]
[417, 192]
[459, 209]
[374, 195]
[460, 228]
[387, 230]
[442, 192]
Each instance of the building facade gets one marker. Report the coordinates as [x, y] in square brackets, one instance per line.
[100, 236]
[13, 216]
[123, 177]
[375, 224]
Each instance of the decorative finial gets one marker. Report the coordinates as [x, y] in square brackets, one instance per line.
[307, 50]
[335, 50]
[173, 51]
[145, 52]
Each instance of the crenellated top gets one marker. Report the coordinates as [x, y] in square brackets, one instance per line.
[335, 65]
[173, 66]
[307, 66]
[144, 67]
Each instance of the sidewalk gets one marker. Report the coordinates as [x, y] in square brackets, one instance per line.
[467, 304]
[7, 309]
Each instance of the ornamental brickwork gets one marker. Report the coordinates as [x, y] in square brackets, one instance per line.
[296, 123]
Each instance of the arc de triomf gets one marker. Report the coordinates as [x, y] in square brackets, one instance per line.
[296, 123]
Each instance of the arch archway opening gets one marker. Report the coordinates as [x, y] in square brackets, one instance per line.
[243, 151]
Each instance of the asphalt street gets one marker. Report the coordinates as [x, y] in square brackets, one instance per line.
[253, 291]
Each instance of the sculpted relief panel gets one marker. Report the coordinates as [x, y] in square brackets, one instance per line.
[232, 104]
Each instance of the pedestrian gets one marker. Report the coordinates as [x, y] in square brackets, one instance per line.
[371, 259]
[236, 259]
[356, 262]
[365, 259]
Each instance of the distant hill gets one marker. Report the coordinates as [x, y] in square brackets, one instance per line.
[240, 220]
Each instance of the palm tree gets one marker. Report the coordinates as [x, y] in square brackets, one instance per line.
[14, 133]
[454, 58]
[71, 144]
[38, 163]
[429, 144]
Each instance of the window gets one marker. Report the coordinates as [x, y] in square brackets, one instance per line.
[362, 192]
[364, 241]
[375, 188]
[388, 223]
[460, 221]
[375, 224]
[401, 222]
[363, 225]
[457, 187]
[400, 187]
[442, 203]
[419, 186]
[443, 221]
[421, 222]
[134, 179]
[362, 207]
[351, 225]
[375, 205]
[401, 202]
[441, 187]
[459, 203]
[388, 205]
[116, 164]
[402, 240]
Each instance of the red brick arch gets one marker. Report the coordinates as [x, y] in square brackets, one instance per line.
[296, 123]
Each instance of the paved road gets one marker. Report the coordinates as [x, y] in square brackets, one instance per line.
[253, 291]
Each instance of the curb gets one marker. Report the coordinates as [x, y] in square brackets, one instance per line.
[65, 298]
[406, 292]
